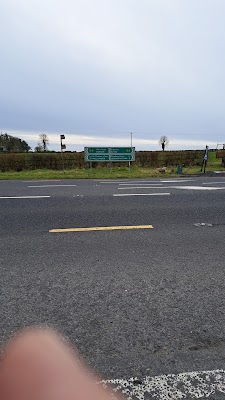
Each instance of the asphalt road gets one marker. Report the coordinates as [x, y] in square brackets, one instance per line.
[136, 303]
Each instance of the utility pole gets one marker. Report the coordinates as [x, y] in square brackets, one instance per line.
[63, 146]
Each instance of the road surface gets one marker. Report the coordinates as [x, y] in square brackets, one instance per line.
[135, 302]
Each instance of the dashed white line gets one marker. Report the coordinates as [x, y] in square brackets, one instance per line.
[112, 182]
[191, 385]
[198, 188]
[144, 187]
[141, 194]
[24, 197]
[172, 187]
[140, 183]
[213, 183]
[43, 186]
[43, 180]
[177, 180]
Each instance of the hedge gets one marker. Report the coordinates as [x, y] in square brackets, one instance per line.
[148, 159]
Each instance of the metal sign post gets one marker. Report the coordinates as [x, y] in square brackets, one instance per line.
[131, 147]
[63, 146]
[205, 159]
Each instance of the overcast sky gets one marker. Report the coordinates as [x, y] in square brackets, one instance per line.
[97, 70]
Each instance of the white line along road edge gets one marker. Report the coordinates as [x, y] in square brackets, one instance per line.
[191, 385]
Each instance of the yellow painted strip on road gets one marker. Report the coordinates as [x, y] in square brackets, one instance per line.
[101, 228]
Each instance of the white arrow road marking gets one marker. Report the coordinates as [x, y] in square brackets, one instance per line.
[190, 385]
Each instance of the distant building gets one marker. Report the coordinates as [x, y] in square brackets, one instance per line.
[3, 149]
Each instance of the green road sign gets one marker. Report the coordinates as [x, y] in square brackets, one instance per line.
[97, 157]
[121, 150]
[114, 154]
[121, 157]
[97, 150]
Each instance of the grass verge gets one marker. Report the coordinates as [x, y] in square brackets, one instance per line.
[102, 173]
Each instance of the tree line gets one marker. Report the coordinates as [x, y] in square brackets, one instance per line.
[12, 144]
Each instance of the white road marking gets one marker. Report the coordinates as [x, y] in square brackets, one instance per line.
[137, 181]
[150, 182]
[177, 180]
[140, 183]
[213, 183]
[141, 194]
[172, 187]
[191, 385]
[116, 181]
[144, 187]
[43, 180]
[24, 197]
[109, 182]
[41, 186]
[199, 224]
[198, 188]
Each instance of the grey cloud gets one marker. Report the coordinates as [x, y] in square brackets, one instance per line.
[152, 66]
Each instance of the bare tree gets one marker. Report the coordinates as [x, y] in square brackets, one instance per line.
[163, 141]
[38, 148]
[43, 142]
